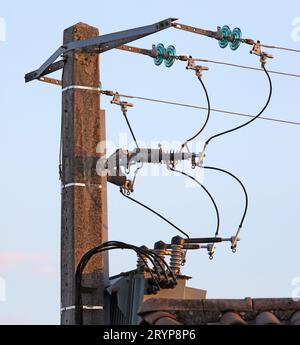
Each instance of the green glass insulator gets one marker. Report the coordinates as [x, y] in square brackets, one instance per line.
[237, 33]
[171, 52]
[160, 49]
[223, 43]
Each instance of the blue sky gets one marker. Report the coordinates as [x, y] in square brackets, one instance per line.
[264, 155]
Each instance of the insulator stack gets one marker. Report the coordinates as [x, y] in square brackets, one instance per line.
[142, 261]
[160, 249]
[233, 38]
[176, 254]
[166, 55]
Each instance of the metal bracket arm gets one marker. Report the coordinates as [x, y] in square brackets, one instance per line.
[213, 34]
[104, 43]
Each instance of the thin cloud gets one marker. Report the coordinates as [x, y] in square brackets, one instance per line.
[35, 263]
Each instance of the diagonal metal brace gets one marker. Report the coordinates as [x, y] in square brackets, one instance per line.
[101, 43]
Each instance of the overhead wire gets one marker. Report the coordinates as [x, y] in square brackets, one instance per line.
[207, 142]
[281, 48]
[211, 138]
[248, 67]
[156, 100]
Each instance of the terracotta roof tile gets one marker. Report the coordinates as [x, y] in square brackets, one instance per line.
[261, 311]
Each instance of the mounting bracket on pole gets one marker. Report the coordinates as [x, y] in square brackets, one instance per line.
[99, 44]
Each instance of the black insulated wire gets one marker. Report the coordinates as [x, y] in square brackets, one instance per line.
[207, 116]
[156, 213]
[78, 279]
[241, 184]
[130, 128]
[253, 119]
[111, 245]
[208, 193]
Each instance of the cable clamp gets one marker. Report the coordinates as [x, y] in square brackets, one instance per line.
[202, 155]
[128, 187]
[197, 68]
[211, 248]
[235, 239]
[117, 100]
[185, 146]
[257, 50]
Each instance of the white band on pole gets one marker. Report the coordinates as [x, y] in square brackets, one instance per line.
[79, 87]
[86, 307]
[68, 185]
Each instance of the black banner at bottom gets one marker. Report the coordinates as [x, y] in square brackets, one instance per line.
[146, 335]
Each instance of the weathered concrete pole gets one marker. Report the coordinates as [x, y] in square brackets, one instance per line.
[84, 193]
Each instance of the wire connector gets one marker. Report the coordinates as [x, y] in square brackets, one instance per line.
[197, 68]
[202, 156]
[211, 248]
[127, 188]
[257, 50]
[235, 239]
[123, 104]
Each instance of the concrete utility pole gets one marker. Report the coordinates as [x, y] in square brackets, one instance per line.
[84, 193]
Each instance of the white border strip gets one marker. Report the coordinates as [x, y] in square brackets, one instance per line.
[79, 87]
[86, 307]
[68, 185]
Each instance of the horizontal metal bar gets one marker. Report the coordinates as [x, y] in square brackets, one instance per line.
[52, 68]
[131, 49]
[199, 31]
[104, 43]
[203, 240]
[50, 80]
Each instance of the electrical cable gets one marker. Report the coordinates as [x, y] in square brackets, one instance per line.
[248, 67]
[156, 213]
[110, 246]
[158, 258]
[248, 122]
[281, 48]
[60, 171]
[155, 100]
[207, 117]
[130, 129]
[78, 277]
[241, 184]
[208, 193]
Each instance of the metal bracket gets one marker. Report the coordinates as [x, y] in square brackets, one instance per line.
[53, 67]
[50, 81]
[257, 50]
[213, 34]
[148, 52]
[100, 44]
[123, 104]
[197, 68]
